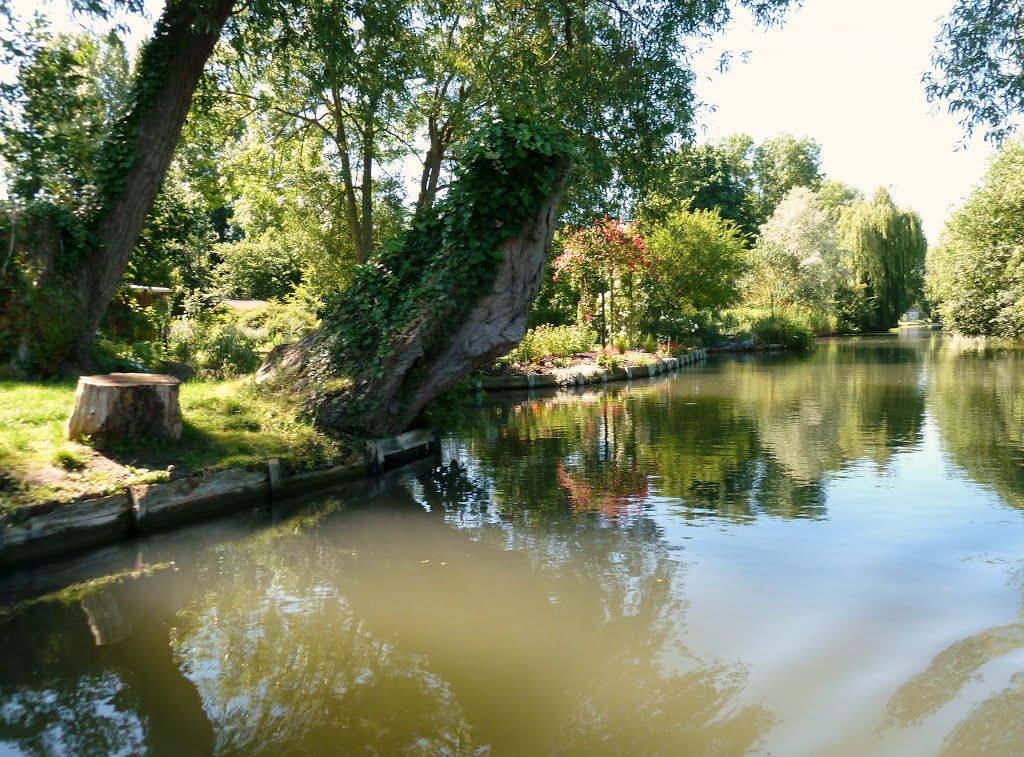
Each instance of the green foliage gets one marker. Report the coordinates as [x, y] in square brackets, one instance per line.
[620, 344]
[553, 341]
[280, 322]
[976, 272]
[176, 242]
[42, 243]
[259, 269]
[56, 115]
[69, 459]
[609, 361]
[796, 260]
[783, 163]
[885, 251]
[782, 330]
[979, 71]
[700, 260]
[438, 269]
[714, 178]
[225, 347]
[234, 343]
[687, 327]
[650, 344]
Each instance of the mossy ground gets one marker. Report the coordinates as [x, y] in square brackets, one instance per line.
[226, 424]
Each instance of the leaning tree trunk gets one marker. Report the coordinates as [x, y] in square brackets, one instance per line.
[169, 72]
[413, 376]
[449, 296]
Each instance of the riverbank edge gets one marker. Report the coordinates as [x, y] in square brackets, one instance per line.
[39, 533]
[568, 377]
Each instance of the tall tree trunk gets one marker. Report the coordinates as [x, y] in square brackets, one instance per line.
[440, 139]
[367, 185]
[169, 71]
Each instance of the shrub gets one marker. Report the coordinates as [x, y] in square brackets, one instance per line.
[553, 341]
[257, 269]
[218, 346]
[784, 331]
[621, 344]
[280, 322]
[232, 349]
[650, 344]
[609, 361]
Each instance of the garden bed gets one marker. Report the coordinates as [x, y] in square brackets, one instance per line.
[583, 368]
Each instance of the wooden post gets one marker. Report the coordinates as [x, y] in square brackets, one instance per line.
[125, 405]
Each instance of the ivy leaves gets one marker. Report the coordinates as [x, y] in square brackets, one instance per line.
[447, 259]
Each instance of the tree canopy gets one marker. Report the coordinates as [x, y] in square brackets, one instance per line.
[976, 272]
[979, 65]
[885, 251]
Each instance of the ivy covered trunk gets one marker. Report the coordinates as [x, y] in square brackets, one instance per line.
[137, 156]
[446, 298]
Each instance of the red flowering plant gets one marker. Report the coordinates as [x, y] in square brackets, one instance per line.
[603, 261]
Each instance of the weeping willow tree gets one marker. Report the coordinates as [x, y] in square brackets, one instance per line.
[885, 248]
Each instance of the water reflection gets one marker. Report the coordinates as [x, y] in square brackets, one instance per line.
[382, 628]
[769, 556]
[977, 398]
[736, 441]
[995, 721]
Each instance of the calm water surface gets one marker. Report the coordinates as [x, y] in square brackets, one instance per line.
[787, 556]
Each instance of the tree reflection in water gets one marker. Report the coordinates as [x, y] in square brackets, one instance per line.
[996, 721]
[386, 629]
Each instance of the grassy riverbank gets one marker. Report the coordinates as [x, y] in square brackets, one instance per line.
[226, 424]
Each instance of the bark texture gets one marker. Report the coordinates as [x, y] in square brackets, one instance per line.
[413, 376]
[187, 34]
[125, 405]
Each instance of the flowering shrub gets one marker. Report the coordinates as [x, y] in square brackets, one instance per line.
[605, 257]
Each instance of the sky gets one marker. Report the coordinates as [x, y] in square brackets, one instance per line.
[848, 74]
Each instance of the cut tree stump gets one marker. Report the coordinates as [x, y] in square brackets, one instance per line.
[125, 406]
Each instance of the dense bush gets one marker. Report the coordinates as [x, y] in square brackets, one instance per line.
[280, 322]
[784, 331]
[258, 269]
[693, 327]
[235, 343]
[553, 341]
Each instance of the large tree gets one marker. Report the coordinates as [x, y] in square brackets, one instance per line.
[716, 178]
[782, 163]
[976, 272]
[796, 258]
[136, 156]
[700, 258]
[116, 182]
[885, 250]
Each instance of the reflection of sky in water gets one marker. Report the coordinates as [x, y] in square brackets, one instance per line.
[86, 720]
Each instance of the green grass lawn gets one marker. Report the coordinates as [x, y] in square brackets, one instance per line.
[226, 424]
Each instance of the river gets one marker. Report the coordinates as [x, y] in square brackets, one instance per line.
[783, 555]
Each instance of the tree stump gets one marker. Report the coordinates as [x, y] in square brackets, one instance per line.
[124, 406]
